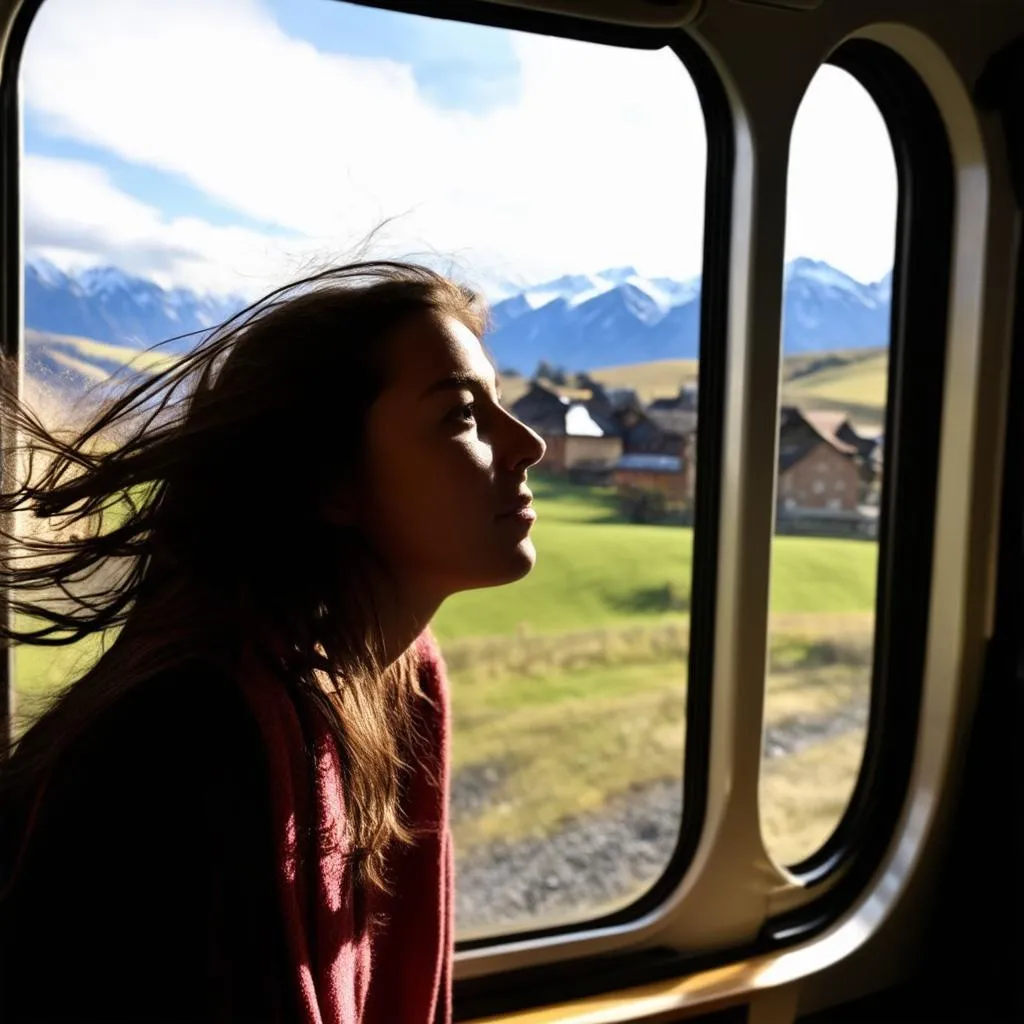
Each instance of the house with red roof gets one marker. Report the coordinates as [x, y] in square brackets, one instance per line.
[822, 462]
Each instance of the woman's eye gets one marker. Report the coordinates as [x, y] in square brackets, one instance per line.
[465, 413]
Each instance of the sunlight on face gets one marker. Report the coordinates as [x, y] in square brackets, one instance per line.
[446, 503]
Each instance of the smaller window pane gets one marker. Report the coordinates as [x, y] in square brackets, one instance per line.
[840, 238]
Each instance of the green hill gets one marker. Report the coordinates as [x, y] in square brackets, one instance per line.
[856, 385]
[853, 381]
[659, 379]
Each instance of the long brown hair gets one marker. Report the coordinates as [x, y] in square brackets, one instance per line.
[209, 480]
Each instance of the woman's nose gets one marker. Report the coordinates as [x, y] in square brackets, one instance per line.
[529, 448]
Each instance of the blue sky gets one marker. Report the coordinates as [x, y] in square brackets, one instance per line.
[458, 66]
[227, 144]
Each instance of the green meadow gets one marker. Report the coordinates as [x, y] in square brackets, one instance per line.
[569, 686]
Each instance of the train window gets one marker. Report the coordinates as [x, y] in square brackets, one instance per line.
[566, 180]
[840, 240]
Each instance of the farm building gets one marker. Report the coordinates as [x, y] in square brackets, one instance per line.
[828, 475]
[654, 486]
[817, 469]
[684, 401]
[658, 432]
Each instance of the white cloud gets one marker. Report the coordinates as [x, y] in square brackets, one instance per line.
[599, 162]
[578, 171]
[74, 216]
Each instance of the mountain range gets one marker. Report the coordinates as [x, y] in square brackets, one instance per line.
[578, 321]
[106, 304]
[584, 322]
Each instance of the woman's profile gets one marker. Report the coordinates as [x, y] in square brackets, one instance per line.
[239, 812]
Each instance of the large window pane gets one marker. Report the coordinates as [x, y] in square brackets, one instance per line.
[840, 239]
[564, 179]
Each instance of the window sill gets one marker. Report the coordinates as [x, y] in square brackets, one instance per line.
[755, 985]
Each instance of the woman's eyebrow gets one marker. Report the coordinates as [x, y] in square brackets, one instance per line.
[458, 381]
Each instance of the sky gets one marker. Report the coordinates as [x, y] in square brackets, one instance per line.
[229, 145]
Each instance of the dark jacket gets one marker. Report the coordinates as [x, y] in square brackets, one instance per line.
[148, 887]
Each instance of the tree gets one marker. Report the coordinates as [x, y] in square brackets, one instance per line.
[549, 372]
[544, 370]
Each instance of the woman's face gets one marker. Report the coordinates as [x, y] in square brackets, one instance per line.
[446, 503]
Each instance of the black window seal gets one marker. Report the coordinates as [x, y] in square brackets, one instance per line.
[525, 19]
[10, 279]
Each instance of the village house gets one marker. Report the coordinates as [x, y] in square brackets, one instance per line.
[580, 442]
[829, 471]
[870, 449]
[622, 400]
[685, 400]
[658, 432]
[609, 403]
[824, 464]
[653, 487]
[659, 446]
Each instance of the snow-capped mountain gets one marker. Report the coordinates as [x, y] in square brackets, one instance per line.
[107, 304]
[619, 317]
[579, 321]
[826, 309]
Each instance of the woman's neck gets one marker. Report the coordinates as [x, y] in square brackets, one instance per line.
[403, 618]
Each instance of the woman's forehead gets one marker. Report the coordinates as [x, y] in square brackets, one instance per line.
[435, 346]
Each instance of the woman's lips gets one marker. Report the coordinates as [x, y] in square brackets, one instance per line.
[522, 514]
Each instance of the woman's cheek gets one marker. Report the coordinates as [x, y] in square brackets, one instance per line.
[481, 454]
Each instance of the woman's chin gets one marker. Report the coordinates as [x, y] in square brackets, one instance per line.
[511, 565]
[525, 558]
[514, 564]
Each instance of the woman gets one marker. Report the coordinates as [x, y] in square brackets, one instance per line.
[239, 813]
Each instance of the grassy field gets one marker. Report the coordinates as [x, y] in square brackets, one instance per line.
[569, 744]
[594, 571]
[569, 687]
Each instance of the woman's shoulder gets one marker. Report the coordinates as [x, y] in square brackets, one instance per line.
[199, 698]
[173, 766]
[182, 730]
[156, 825]
[194, 707]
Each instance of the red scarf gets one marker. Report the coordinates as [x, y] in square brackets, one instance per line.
[396, 973]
